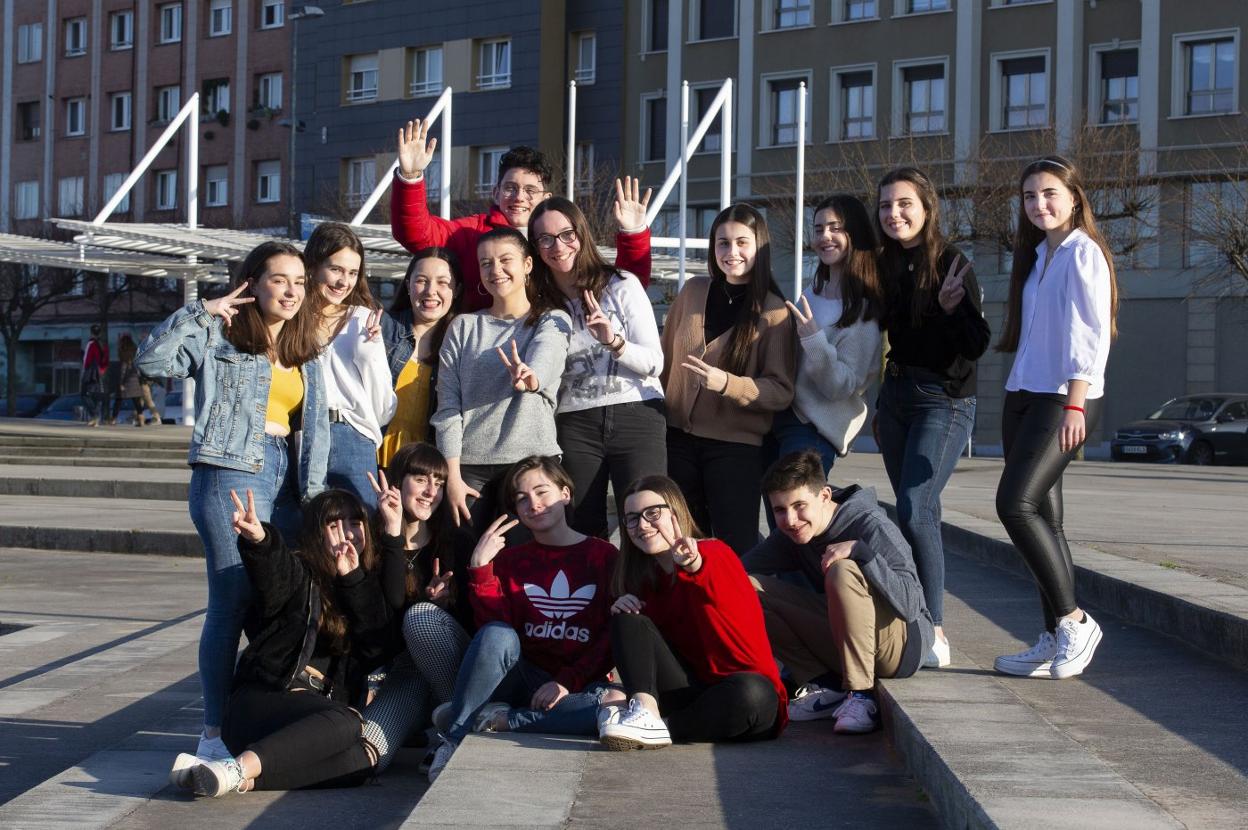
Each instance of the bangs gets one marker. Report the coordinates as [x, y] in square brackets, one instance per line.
[417, 459]
[341, 505]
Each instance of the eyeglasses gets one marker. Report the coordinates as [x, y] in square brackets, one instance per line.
[511, 191]
[546, 241]
[651, 514]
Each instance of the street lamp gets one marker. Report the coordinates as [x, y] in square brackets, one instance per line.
[296, 14]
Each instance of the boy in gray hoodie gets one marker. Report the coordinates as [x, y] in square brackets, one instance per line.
[859, 615]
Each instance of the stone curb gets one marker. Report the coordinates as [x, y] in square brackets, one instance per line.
[94, 488]
[96, 540]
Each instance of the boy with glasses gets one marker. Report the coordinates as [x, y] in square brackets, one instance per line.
[523, 182]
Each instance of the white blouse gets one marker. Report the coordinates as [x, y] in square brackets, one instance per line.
[357, 377]
[1065, 320]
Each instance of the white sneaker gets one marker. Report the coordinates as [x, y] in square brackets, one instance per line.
[938, 655]
[815, 702]
[441, 717]
[441, 758]
[180, 775]
[858, 714]
[485, 718]
[1076, 642]
[610, 713]
[1033, 662]
[212, 749]
[216, 778]
[637, 728]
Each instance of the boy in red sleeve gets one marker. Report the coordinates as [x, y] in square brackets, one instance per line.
[542, 650]
[524, 177]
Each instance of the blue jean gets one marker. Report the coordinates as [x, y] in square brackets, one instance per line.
[922, 431]
[229, 590]
[352, 455]
[494, 671]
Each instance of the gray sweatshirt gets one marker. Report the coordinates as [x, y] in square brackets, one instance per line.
[481, 418]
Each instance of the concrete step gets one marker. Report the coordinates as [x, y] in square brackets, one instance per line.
[80, 461]
[95, 482]
[139, 440]
[107, 525]
[49, 453]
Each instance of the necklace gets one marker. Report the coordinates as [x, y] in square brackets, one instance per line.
[732, 299]
[411, 560]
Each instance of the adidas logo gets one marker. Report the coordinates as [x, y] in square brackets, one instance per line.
[560, 603]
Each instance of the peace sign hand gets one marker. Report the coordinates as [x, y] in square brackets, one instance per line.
[389, 503]
[522, 377]
[438, 591]
[684, 550]
[492, 541]
[596, 321]
[952, 290]
[346, 557]
[225, 307]
[415, 148]
[246, 522]
[372, 326]
[712, 377]
[630, 211]
[806, 324]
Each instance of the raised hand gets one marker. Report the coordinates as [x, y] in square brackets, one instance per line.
[415, 148]
[834, 553]
[245, 521]
[457, 493]
[712, 377]
[806, 324]
[627, 604]
[226, 307]
[952, 290]
[684, 550]
[596, 321]
[389, 503]
[346, 557]
[522, 377]
[492, 541]
[630, 211]
[372, 326]
[438, 591]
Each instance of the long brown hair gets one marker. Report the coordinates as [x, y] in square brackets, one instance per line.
[861, 295]
[762, 282]
[327, 239]
[931, 242]
[296, 343]
[324, 509]
[635, 571]
[421, 459]
[403, 297]
[592, 272]
[1028, 238]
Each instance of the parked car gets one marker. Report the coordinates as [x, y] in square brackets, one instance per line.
[28, 406]
[69, 408]
[64, 408]
[1193, 429]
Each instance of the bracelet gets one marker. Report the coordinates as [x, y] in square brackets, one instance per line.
[1072, 408]
[617, 342]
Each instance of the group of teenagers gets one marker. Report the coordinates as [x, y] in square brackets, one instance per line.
[406, 511]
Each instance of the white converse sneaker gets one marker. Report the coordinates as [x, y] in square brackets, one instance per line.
[610, 713]
[1033, 662]
[216, 778]
[441, 758]
[815, 702]
[212, 749]
[858, 714]
[938, 655]
[636, 729]
[1076, 642]
[180, 774]
[485, 717]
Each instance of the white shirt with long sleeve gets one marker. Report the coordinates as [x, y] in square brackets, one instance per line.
[357, 377]
[1065, 325]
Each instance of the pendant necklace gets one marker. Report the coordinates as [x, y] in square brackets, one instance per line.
[728, 294]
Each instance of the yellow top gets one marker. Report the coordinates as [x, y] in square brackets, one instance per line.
[411, 419]
[285, 395]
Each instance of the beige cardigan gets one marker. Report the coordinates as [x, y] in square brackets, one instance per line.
[743, 412]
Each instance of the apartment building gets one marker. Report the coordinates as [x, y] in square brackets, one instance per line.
[971, 90]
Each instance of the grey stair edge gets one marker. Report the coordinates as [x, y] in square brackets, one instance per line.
[88, 461]
[102, 540]
[94, 488]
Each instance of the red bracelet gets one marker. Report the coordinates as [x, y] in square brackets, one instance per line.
[1072, 408]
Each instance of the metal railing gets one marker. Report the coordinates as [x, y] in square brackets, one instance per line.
[441, 110]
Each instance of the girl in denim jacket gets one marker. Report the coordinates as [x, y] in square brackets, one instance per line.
[252, 356]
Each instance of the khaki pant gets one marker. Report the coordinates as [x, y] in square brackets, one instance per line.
[853, 631]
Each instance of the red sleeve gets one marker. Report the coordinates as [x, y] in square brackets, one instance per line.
[103, 356]
[595, 661]
[485, 592]
[632, 254]
[413, 226]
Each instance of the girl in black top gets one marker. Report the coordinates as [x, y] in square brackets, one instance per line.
[926, 408]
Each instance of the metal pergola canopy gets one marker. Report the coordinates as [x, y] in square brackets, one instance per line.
[31, 250]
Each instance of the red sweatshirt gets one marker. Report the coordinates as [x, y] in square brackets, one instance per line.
[713, 621]
[414, 227]
[558, 600]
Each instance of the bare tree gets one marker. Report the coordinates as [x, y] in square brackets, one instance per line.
[24, 290]
[1214, 220]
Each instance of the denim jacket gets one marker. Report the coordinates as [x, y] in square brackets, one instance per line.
[396, 333]
[232, 394]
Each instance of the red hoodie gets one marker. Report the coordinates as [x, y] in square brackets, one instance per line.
[414, 227]
[713, 620]
[558, 600]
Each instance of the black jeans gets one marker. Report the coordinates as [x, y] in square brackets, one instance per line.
[720, 480]
[1029, 496]
[622, 442]
[741, 707]
[302, 738]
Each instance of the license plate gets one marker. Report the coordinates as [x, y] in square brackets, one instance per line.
[1135, 450]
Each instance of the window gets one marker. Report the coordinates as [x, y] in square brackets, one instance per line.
[1025, 93]
[712, 142]
[495, 64]
[789, 14]
[268, 181]
[859, 10]
[856, 92]
[362, 77]
[220, 18]
[166, 189]
[119, 106]
[216, 96]
[656, 26]
[714, 19]
[168, 102]
[29, 127]
[30, 43]
[216, 185]
[76, 116]
[918, 6]
[586, 56]
[1209, 76]
[75, 36]
[170, 23]
[361, 179]
[113, 183]
[269, 90]
[121, 30]
[272, 14]
[1120, 86]
[782, 114]
[427, 71]
[69, 202]
[487, 168]
[584, 181]
[923, 90]
[654, 121]
[26, 204]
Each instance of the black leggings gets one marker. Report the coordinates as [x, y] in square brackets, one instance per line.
[741, 707]
[302, 738]
[720, 483]
[1029, 497]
